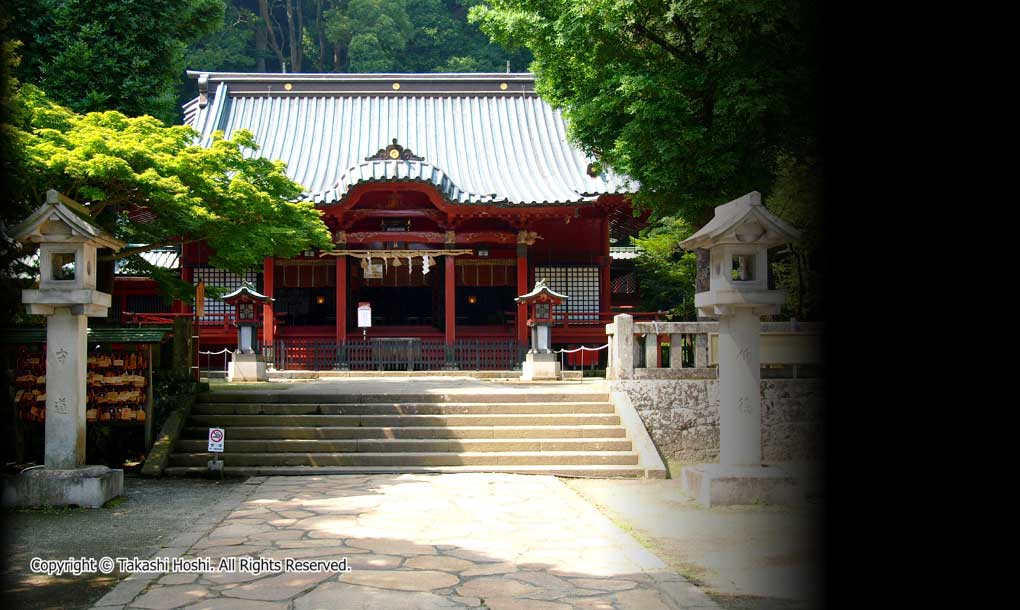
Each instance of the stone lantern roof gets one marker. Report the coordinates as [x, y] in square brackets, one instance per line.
[541, 293]
[247, 293]
[742, 221]
[78, 224]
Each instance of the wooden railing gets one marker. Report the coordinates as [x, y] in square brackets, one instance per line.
[394, 354]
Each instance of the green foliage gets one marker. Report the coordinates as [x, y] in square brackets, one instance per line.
[228, 48]
[353, 36]
[372, 33]
[665, 272]
[244, 208]
[797, 198]
[692, 98]
[124, 55]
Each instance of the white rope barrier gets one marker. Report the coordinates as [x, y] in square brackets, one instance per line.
[222, 351]
[587, 349]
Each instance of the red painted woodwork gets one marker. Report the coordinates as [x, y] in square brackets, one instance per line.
[450, 301]
[431, 237]
[268, 318]
[341, 299]
[605, 282]
[522, 288]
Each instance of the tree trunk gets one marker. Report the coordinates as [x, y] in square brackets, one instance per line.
[321, 33]
[294, 30]
[261, 48]
[270, 32]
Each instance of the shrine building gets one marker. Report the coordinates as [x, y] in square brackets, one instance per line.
[447, 195]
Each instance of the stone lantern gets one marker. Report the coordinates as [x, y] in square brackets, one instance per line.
[738, 238]
[67, 296]
[540, 361]
[247, 364]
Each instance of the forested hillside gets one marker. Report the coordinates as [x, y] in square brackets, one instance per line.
[351, 36]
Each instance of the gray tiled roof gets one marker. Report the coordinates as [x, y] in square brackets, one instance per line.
[480, 144]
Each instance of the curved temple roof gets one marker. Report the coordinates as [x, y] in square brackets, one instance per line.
[481, 138]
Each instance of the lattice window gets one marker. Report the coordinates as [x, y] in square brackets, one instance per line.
[581, 284]
[625, 283]
[146, 303]
[215, 308]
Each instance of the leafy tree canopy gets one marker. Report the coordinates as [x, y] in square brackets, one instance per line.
[151, 184]
[111, 54]
[666, 273]
[692, 98]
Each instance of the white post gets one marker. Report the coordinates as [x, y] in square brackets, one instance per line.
[65, 389]
[739, 388]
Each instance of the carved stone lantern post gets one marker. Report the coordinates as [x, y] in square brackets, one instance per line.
[67, 296]
[738, 238]
[540, 361]
[247, 363]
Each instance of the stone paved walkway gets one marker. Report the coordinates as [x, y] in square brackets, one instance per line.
[421, 542]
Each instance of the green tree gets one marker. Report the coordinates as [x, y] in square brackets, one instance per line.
[697, 100]
[665, 272]
[692, 98]
[372, 34]
[796, 197]
[152, 185]
[122, 55]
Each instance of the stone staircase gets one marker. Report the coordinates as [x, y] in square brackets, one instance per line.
[536, 433]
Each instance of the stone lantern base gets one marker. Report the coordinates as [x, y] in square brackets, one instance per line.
[247, 367]
[87, 486]
[720, 485]
[540, 366]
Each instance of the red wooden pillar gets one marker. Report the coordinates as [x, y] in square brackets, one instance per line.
[178, 306]
[341, 299]
[522, 288]
[451, 300]
[268, 316]
[605, 279]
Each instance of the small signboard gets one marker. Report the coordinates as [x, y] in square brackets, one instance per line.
[364, 315]
[216, 440]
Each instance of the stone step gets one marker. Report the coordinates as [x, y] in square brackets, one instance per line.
[451, 408]
[423, 432]
[285, 397]
[603, 471]
[408, 445]
[461, 458]
[543, 419]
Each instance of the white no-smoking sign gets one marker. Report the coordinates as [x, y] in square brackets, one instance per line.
[216, 440]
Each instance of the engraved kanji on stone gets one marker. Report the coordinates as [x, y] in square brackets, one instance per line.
[60, 406]
[744, 354]
[61, 355]
[744, 405]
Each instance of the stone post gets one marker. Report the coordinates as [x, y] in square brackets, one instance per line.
[676, 351]
[625, 346]
[739, 388]
[65, 389]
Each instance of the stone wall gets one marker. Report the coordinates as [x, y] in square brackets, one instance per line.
[682, 417]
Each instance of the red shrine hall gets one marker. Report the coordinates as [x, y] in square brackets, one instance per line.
[447, 195]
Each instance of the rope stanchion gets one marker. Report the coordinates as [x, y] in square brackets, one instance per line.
[209, 359]
[581, 349]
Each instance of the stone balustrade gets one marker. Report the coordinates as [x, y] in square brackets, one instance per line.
[634, 347]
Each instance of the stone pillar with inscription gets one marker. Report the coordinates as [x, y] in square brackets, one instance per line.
[738, 238]
[67, 296]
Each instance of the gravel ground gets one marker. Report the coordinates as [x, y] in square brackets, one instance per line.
[137, 525]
